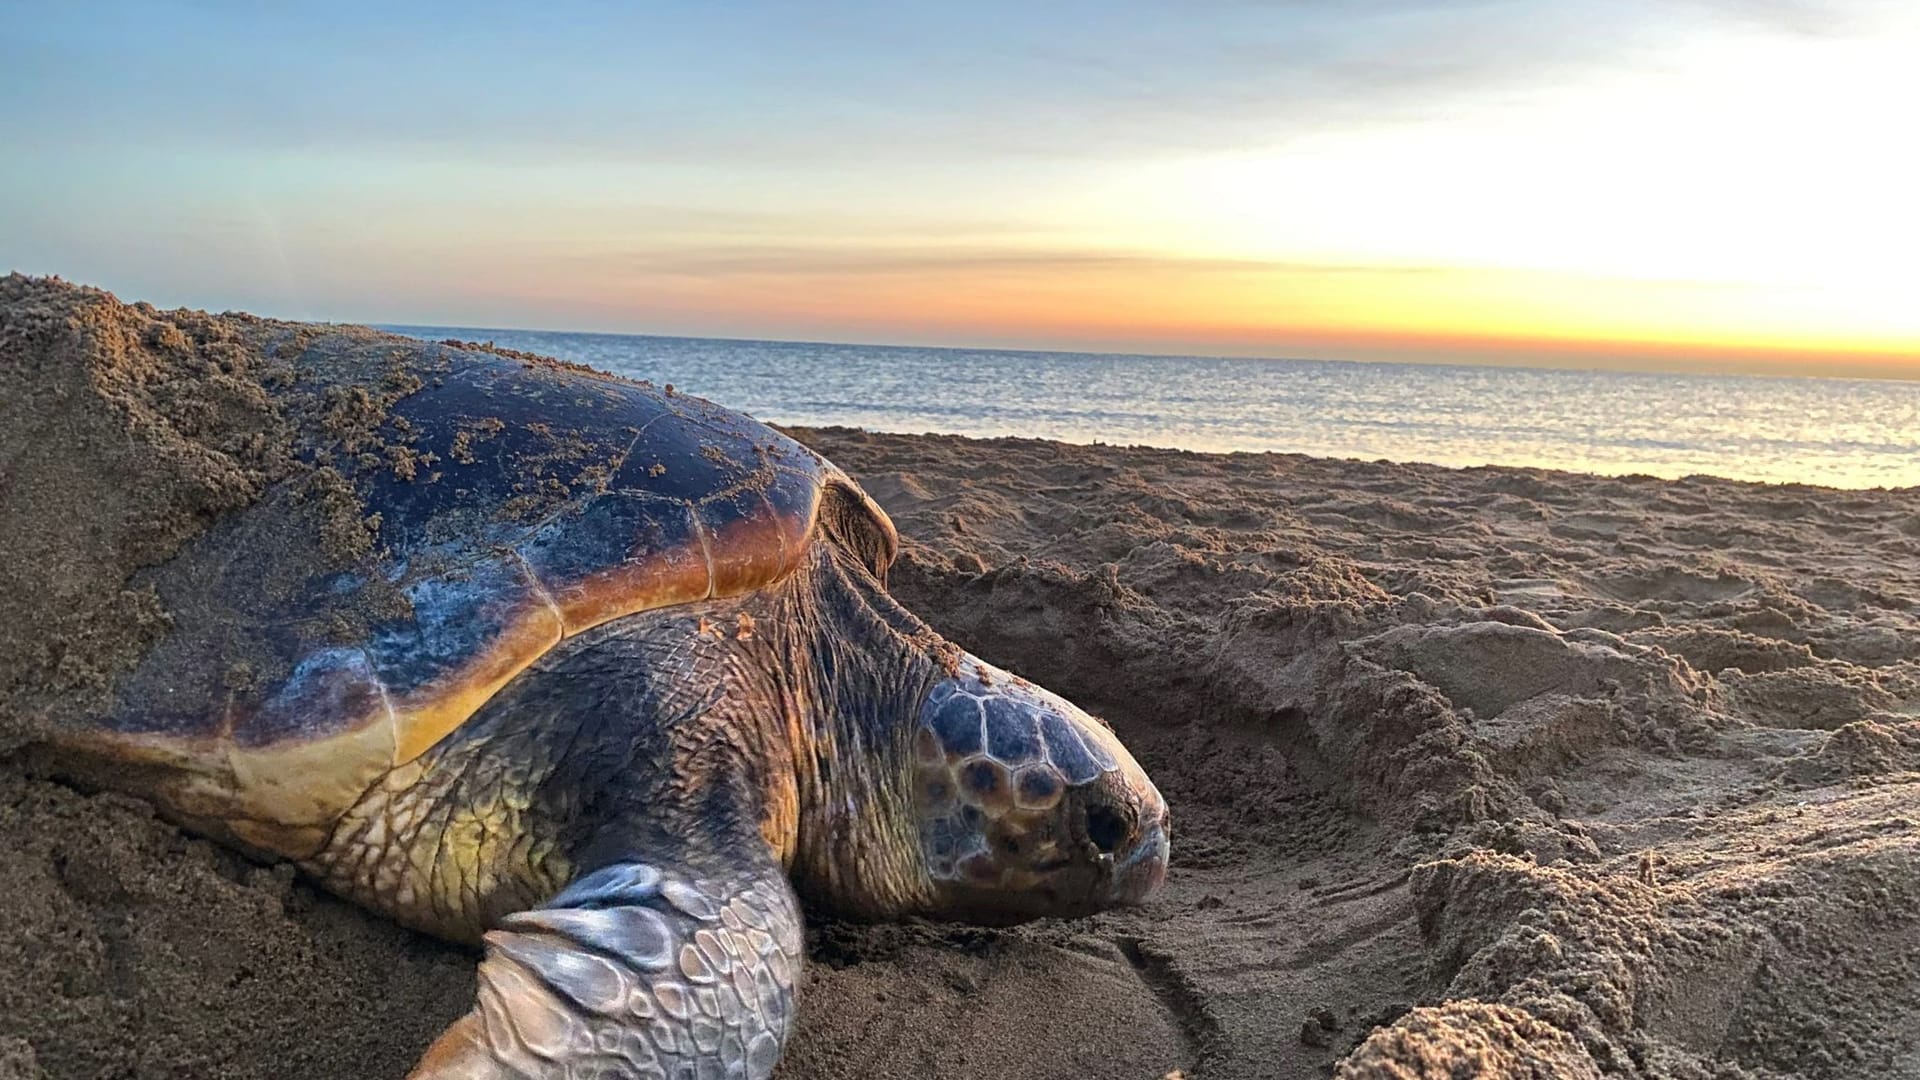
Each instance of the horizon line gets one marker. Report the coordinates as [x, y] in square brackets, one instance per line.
[1493, 361]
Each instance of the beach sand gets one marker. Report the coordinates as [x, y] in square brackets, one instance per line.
[1496, 772]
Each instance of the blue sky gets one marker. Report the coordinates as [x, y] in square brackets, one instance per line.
[984, 173]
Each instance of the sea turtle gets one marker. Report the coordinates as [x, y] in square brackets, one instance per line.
[612, 678]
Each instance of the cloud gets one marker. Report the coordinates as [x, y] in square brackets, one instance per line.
[1803, 18]
[887, 260]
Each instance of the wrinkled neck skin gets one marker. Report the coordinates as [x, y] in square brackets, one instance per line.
[865, 666]
[802, 722]
[790, 709]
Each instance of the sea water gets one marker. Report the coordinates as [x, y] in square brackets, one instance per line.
[1840, 432]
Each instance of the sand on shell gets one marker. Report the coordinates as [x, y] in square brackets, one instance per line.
[1495, 772]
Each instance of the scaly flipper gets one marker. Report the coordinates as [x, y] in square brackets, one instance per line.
[633, 971]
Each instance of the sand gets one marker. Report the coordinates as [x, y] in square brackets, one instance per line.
[1496, 772]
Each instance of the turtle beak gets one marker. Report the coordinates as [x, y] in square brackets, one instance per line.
[1140, 868]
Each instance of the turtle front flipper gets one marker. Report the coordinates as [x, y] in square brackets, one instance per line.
[633, 970]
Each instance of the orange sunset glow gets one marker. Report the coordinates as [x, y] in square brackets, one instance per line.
[1682, 186]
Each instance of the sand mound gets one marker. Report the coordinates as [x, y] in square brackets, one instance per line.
[1470, 1038]
[125, 432]
[175, 429]
[1490, 772]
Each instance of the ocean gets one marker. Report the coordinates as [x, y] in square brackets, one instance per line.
[1854, 433]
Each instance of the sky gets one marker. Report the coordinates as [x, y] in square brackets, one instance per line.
[1695, 184]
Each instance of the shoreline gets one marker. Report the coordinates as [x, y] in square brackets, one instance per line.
[1574, 475]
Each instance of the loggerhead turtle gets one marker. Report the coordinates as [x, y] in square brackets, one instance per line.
[617, 681]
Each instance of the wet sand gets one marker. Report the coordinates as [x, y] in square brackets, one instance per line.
[1496, 772]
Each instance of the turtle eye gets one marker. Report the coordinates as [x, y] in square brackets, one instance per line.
[1105, 828]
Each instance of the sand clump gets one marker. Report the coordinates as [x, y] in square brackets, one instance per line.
[1491, 772]
[1469, 1038]
[125, 433]
[172, 428]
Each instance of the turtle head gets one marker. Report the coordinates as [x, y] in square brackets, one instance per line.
[1027, 806]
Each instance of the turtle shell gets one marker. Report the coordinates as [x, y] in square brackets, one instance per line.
[504, 504]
